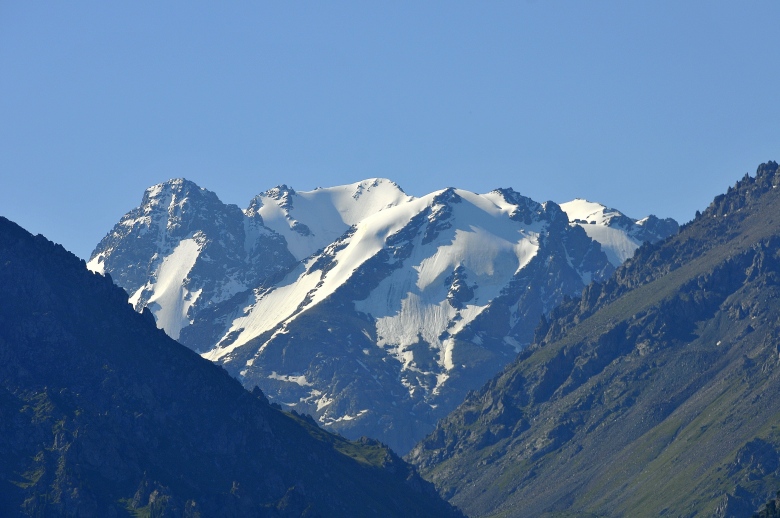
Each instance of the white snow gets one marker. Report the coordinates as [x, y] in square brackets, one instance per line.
[290, 378]
[270, 309]
[171, 300]
[347, 417]
[595, 219]
[136, 297]
[324, 401]
[155, 190]
[587, 211]
[616, 243]
[328, 213]
[411, 303]
[278, 305]
[97, 264]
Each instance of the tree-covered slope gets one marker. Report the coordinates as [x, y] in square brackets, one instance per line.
[656, 393]
[101, 414]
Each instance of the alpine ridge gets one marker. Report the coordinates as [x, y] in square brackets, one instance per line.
[657, 392]
[374, 311]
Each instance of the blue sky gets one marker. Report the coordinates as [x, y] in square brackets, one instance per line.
[648, 107]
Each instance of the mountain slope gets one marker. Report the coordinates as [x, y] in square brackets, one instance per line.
[399, 304]
[396, 307]
[657, 392]
[102, 414]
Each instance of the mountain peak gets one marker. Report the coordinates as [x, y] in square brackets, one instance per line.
[310, 220]
[170, 245]
[426, 297]
[279, 192]
[448, 195]
[513, 196]
[584, 211]
[745, 192]
[375, 183]
[174, 185]
[767, 170]
[618, 234]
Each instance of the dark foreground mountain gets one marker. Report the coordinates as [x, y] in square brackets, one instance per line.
[655, 394]
[102, 414]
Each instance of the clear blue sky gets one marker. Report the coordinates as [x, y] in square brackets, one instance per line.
[649, 107]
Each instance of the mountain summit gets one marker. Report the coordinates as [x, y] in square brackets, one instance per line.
[309, 221]
[618, 234]
[374, 311]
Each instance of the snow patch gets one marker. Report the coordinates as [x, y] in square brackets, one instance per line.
[596, 219]
[324, 401]
[411, 304]
[347, 417]
[289, 378]
[326, 213]
[97, 264]
[270, 308]
[170, 299]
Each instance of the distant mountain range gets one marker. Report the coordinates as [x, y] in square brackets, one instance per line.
[374, 311]
[655, 393]
[102, 414]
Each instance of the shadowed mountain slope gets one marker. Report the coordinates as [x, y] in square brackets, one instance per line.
[656, 393]
[102, 414]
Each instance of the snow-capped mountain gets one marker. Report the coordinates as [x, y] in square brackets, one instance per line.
[372, 310]
[309, 221]
[618, 234]
[186, 255]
